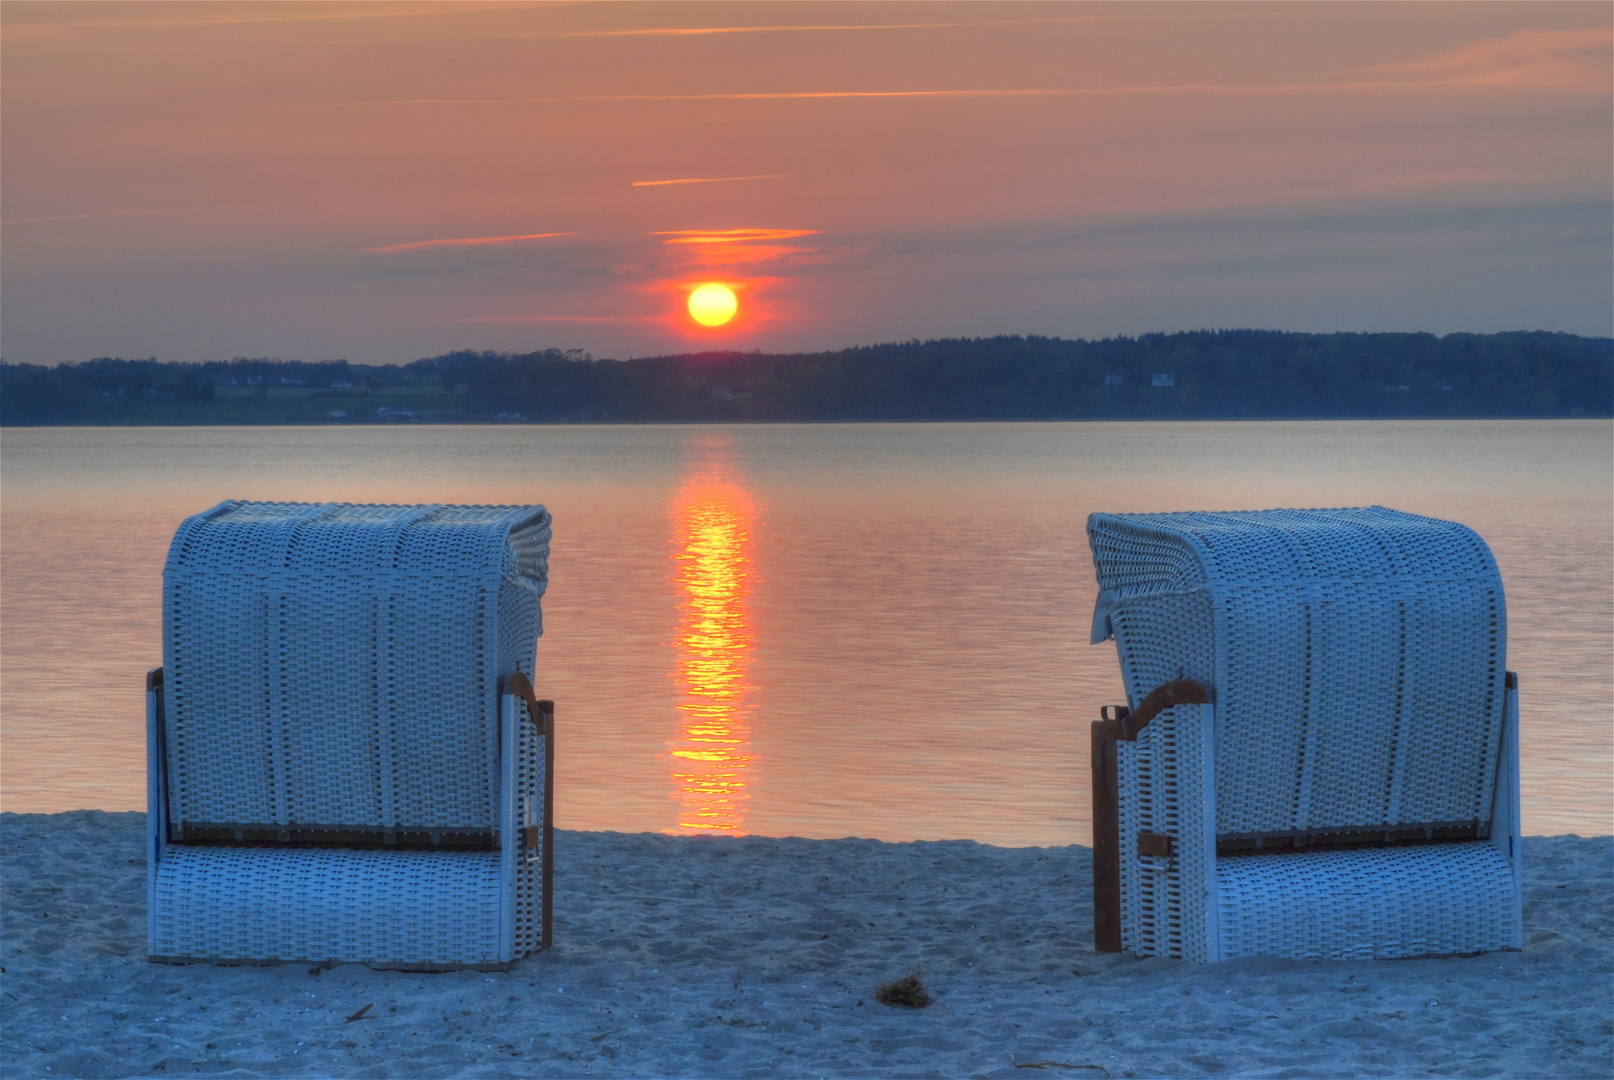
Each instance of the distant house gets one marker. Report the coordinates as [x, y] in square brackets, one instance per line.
[341, 384]
[1163, 380]
[1112, 380]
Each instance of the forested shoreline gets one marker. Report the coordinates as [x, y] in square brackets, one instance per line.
[1226, 374]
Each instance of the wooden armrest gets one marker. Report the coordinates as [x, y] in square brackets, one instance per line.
[1118, 723]
[1162, 697]
[521, 687]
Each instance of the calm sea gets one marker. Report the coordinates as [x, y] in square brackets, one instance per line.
[819, 630]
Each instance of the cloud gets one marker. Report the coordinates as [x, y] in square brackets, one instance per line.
[708, 180]
[731, 247]
[466, 241]
[731, 236]
[1446, 179]
[550, 318]
[1520, 80]
[102, 214]
[182, 16]
[1551, 58]
[700, 31]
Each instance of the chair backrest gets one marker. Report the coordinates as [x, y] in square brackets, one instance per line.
[335, 667]
[1356, 658]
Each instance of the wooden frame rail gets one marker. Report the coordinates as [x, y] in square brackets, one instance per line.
[542, 715]
[1118, 723]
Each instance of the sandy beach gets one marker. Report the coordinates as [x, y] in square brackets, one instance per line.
[760, 957]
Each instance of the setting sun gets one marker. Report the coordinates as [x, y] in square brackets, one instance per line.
[712, 304]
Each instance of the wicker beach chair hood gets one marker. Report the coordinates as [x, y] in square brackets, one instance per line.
[347, 761]
[1350, 708]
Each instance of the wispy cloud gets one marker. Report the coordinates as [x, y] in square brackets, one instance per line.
[551, 318]
[1401, 86]
[730, 236]
[1560, 58]
[1447, 179]
[708, 180]
[712, 248]
[466, 241]
[184, 16]
[101, 214]
[701, 31]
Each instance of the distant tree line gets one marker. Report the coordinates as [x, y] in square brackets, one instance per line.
[116, 390]
[1226, 374]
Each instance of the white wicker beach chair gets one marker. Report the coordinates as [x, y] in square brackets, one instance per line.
[1320, 753]
[346, 758]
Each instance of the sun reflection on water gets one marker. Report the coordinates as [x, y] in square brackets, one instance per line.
[713, 516]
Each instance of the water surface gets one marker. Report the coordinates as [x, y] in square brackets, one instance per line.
[818, 630]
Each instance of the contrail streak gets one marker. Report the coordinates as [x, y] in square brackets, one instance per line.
[551, 318]
[103, 214]
[730, 236]
[467, 241]
[1043, 92]
[694, 31]
[708, 179]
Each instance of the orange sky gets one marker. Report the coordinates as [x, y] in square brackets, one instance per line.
[382, 182]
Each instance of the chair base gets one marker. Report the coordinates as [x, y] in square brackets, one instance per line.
[415, 909]
[388, 907]
[405, 968]
[1165, 890]
[1375, 904]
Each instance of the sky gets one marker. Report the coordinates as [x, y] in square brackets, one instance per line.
[383, 182]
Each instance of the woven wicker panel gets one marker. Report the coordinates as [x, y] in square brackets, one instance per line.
[218, 626]
[530, 808]
[337, 665]
[1153, 649]
[1356, 657]
[381, 907]
[1137, 924]
[1379, 903]
[1162, 783]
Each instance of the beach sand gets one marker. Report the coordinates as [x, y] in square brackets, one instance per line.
[749, 956]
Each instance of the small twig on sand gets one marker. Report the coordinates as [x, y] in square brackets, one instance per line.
[597, 1038]
[360, 1014]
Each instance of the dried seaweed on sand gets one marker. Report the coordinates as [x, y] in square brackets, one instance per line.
[907, 992]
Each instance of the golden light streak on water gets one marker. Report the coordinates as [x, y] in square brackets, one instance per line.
[713, 516]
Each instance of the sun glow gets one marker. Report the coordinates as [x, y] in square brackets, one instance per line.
[712, 304]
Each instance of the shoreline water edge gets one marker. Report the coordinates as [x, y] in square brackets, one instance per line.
[752, 956]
